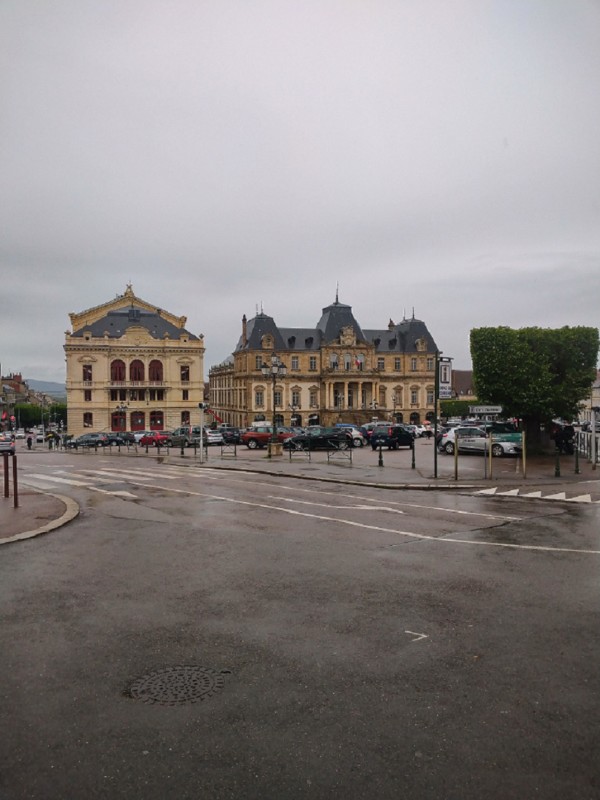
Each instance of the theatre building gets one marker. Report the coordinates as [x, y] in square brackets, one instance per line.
[132, 366]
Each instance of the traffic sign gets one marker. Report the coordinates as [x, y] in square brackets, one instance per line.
[485, 409]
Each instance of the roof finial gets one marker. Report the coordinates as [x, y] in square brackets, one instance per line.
[337, 292]
[413, 312]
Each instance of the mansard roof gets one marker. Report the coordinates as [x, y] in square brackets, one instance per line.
[400, 338]
[261, 325]
[334, 318]
[126, 311]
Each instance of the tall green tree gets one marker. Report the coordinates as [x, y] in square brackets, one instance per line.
[535, 374]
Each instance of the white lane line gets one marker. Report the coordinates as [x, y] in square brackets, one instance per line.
[63, 481]
[421, 506]
[311, 490]
[124, 474]
[342, 508]
[364, 526]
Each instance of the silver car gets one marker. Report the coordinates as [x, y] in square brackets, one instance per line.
[475, 440]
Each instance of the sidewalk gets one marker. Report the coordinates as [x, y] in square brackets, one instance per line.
[40, 512]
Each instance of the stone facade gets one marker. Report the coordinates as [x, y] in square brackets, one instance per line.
[336, 372]
[132, 366]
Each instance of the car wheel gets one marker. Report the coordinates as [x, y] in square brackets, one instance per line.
[497, 450]
[357, 442]
[449, 448]
[252, 444]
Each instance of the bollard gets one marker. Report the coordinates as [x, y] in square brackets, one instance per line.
[380, 462]
[577, 470]
[412, 465]
[5, 458]
[557, 464]
[15, 482]
[182, 453]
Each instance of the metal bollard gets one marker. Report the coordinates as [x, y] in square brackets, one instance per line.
[557, 464]
[380, 462]
[412, 465]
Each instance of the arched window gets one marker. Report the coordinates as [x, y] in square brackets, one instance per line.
[359, 362]
[138, 421]
[118, 421]
[333, 361]
[156, 421]
[117, 371]
[155, 371]
[136, 371]
[347, 361]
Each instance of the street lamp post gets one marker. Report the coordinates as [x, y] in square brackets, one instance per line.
[274, 369]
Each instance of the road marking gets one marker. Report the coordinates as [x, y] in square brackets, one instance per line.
[342, 508]
[381, 529]
[457, 511]
[87, 485]
[418, 635]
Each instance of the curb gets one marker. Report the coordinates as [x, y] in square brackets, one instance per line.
[72, 511]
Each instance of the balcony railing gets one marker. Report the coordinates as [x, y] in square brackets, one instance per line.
[137, 384]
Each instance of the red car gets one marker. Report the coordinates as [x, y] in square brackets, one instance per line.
[260, 437]
[157, 439]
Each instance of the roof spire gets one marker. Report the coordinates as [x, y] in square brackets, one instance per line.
[337, 292]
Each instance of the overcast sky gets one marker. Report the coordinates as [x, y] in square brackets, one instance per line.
[227, 156]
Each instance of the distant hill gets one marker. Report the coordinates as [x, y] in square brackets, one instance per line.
[48, 387]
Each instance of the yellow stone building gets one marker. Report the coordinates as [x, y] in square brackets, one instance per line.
[336, 372]
[132, 366]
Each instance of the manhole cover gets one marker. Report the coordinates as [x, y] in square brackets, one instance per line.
[175, 686]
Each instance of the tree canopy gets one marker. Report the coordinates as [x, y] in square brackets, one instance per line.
[535, 374]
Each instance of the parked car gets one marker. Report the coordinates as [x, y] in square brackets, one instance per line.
[358, 437]
[392, 437]
[368, 428]
[156, 439]
[212, 437]
[420, 430]
[231, 435]
[475, 440]
[319, 438]
[120, 438]
[7, 443]
[186, 436]
[89, 440]
[137, 435]
[259, 437]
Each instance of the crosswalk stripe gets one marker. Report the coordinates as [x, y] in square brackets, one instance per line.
[71, 482]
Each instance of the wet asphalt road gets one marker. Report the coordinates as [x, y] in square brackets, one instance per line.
[353, 643]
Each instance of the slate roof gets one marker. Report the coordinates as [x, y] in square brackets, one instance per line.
[401, 338]
[115, 323]
[334, 318]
